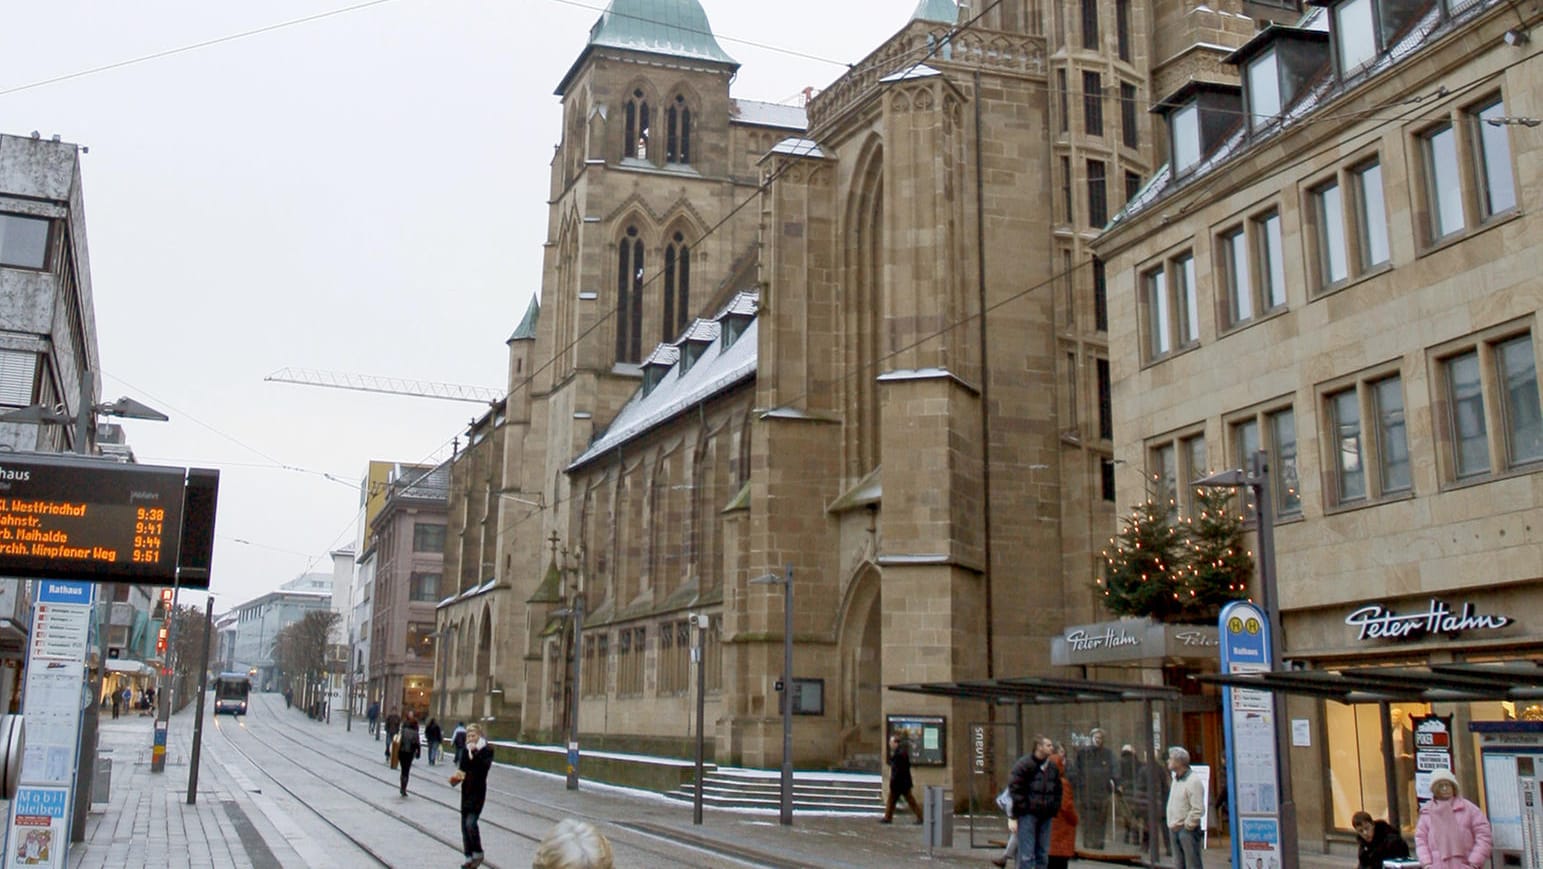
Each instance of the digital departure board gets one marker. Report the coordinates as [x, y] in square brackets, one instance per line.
[80, 518]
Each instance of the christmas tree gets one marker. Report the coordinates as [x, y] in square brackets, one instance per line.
[1178, 570]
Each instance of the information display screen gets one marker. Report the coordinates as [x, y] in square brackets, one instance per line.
[84, 519]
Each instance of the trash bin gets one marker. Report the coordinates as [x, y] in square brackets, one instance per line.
[102, 780]
[938, 816]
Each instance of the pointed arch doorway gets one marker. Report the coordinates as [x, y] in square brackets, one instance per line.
[860, 645]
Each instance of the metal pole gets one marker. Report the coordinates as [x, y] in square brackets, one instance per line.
[573, 717]
[701, 713]
[1155, 826]
[349, 716]
[787, 698]
[90, 736]
[1264, 502]
[198, 720]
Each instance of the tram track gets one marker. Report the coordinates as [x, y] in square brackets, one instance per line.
[358, 843]
[709, 848]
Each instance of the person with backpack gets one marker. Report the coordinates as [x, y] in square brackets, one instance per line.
[407, 747]
[1035, 787]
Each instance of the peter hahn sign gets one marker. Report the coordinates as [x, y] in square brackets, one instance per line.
[1378, 622]
[1132, 640]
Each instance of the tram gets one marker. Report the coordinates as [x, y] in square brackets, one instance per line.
[230, 693]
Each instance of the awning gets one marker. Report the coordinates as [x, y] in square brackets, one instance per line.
[133, 668]
[1436, 683]
[1036, 691]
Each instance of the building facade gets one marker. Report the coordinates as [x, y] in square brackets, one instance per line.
[406, 545]
[1339, 266]
[258, 622]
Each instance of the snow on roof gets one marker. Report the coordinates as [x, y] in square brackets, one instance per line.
[920, 70]
[798, 148]
[770, 114]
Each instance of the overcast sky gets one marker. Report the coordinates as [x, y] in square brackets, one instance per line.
[363, 192]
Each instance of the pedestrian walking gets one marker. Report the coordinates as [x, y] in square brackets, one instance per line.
[374, 713]
[407, 747]
[900, 784]
[1378, 841]
[571, 845]
[1035, 786]
[393, 723]
[472, 774]
[1063, 832]
[1453, 832]
[436, 740]
[289, 697]
[458, 741]
[116, 703]
[1186, 806]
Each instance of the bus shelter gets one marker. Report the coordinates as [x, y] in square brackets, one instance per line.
[1120, 796]
[1451, 687]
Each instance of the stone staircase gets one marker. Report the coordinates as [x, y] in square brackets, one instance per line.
[826, 792]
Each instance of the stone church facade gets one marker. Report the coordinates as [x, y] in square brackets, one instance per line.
[860, 343]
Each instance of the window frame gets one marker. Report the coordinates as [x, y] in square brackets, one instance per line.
[1130, 133]
[1496, 410]
[1170, 314]
[1261, 417]
[1362, 387]
[1184, 126]
[1179, 446]
[47, 252]
[1093, 103]
[1098, 193]
[1352, 213]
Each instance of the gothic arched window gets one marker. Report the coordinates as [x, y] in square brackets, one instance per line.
[629, 297]
[677, 286]
[636, 142]
[678, 132]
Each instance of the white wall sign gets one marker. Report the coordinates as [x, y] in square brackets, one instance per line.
[1377, 622]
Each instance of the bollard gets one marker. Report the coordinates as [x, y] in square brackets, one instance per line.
[158, 752]
[938, 817]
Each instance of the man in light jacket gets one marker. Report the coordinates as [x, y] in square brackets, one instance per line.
[1186, 807]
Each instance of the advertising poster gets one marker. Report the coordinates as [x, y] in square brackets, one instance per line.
[1432, 750]
[38, 830]
[1260, 843]
[927, 735]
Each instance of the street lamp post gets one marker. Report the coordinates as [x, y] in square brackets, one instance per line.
[576, 612]
[700, 621]
[1257, 480]
[786, 808]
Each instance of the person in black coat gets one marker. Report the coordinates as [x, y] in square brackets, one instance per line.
[436, 739]
[900, 783]
[407, 747]
[1378, 841]
[393, 723]
[472, 776]
[1035, 786]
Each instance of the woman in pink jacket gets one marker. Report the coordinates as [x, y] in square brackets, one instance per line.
[1453, 832]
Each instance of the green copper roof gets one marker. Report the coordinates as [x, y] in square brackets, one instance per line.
[946, 11]
[526, 331]
[673, 27]
[677, 28]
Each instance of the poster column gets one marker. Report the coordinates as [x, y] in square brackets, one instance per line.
[54, 697]
[1249, 718]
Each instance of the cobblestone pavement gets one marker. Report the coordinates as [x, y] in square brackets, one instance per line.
[277, 789]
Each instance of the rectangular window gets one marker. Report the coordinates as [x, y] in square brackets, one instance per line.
[1186, 137]
[18, 377]
[1392, 440]
[1173, 462]
[1272, 259]
[1132, 186]
[1122, 27]
[1350, 473]
[1263, 90]
[1106, 480]
[1164, 474]
[1189, 303]
[1090, 24]
[1105, 400]
[428, 538]
[1283, 436]
[1066, 187]
[1063, 91]
[1493, 145]
[1129, 134]
[424, 587]
[1443, 189]
[1093, 103]
[1329, 211]
[1240, 290]
[1098, 195]
[1465, 409]
[24, 241]
[1371, 215]
[1069, 406]
[1158, 320]
[1193, 467]
[1356, 34]
[1517, 373]
[1100, 296]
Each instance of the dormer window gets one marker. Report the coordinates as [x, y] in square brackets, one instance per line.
[1264, 102]
[653, 373]
[1366, 29]
[1185, 124]
[733, 326]
[690, 352]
